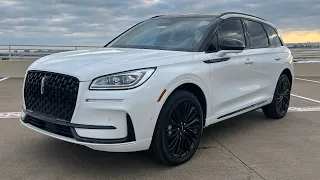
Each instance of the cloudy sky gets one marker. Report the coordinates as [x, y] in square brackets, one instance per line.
[95, 22]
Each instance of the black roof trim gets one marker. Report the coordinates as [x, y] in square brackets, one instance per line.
[226, 13]
[156, 16]
[213, 15]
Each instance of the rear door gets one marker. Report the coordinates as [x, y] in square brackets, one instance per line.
[279, 55]
[263, 68]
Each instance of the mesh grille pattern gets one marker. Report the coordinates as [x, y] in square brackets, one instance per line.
[50, 127]
[59, 94]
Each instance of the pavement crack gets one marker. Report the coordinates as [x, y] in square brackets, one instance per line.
[238, 158]
[11, 99]
[207, 147]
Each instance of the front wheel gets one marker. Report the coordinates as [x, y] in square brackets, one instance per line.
[178, 130]
[281, 100]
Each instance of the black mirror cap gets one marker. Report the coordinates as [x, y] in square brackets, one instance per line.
[231, 44]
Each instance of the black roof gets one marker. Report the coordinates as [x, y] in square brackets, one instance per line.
[185, 15]
[203, 15]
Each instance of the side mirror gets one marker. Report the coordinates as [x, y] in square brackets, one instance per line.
[230, 46]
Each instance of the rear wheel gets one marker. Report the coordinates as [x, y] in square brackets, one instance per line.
[178, 130]
[281, 100]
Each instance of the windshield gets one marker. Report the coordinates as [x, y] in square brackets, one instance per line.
[182, 34]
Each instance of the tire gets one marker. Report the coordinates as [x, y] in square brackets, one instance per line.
[180, 124]
[278, 108]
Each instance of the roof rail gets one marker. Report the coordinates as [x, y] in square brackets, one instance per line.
[156, 16]
[222, 14]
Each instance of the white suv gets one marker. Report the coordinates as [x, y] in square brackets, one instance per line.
[158, 84]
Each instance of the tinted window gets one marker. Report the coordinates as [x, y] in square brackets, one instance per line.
[273, 36]
[231, 29]
[257, 35]
[185, 34]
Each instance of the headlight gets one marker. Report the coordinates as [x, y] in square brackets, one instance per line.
[124, 80]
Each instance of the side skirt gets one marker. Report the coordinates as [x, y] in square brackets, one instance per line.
[256, 105]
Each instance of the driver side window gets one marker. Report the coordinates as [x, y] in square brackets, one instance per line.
[231, 29]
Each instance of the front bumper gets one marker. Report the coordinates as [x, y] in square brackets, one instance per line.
[117, 147]
[114, 121]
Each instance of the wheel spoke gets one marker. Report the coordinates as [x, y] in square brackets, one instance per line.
[192, 124]
[279, 105]
[286, 87]
[181, 112]
[183, 146]
[287, 92]
[174, 118]
[286, 99]
[174, 133]
[174, 143]
[278, 102]
[190, 138]
[174, 123]
[284, 105]
[179, 148]
[193, 131]
[192, 115]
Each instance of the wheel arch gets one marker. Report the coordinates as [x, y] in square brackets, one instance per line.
[288, 73]
[195, 87]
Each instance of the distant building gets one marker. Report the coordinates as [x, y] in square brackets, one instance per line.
[304, 45]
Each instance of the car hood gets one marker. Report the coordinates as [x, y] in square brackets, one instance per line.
[89, 64]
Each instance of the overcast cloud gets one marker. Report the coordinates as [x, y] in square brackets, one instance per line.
[95, 22]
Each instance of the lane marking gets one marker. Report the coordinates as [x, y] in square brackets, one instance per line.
[4, 79]
[308, 80]
[17, 115]
[10, 115]
[304, 109]
[305, 98]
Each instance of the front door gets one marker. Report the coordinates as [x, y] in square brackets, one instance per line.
[232, 81]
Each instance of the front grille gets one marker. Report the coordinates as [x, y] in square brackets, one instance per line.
[59, 94]
[50, 127]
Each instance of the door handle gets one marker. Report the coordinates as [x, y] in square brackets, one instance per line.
[248, 61]
[277, 58]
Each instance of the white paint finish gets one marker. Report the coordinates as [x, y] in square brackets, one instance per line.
[98, 62]
[308, 80]
[2, 79]
[305, 98]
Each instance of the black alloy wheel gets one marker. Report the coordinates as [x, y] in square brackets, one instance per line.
[184, 128]
[283, 96]
[279, 106]
[178, 130]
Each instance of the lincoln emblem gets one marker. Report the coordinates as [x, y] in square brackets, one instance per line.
[42, 84]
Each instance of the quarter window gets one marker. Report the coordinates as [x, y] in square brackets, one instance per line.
[258, 36]
[273, 36]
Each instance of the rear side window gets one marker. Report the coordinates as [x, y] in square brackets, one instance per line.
[232, 29]
[273, 36]
[258, 36]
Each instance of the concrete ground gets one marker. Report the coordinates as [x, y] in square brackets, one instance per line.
[242, 148]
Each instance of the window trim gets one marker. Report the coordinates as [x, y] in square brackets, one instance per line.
[245, 22]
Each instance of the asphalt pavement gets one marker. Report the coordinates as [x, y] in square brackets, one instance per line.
[246, 147]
